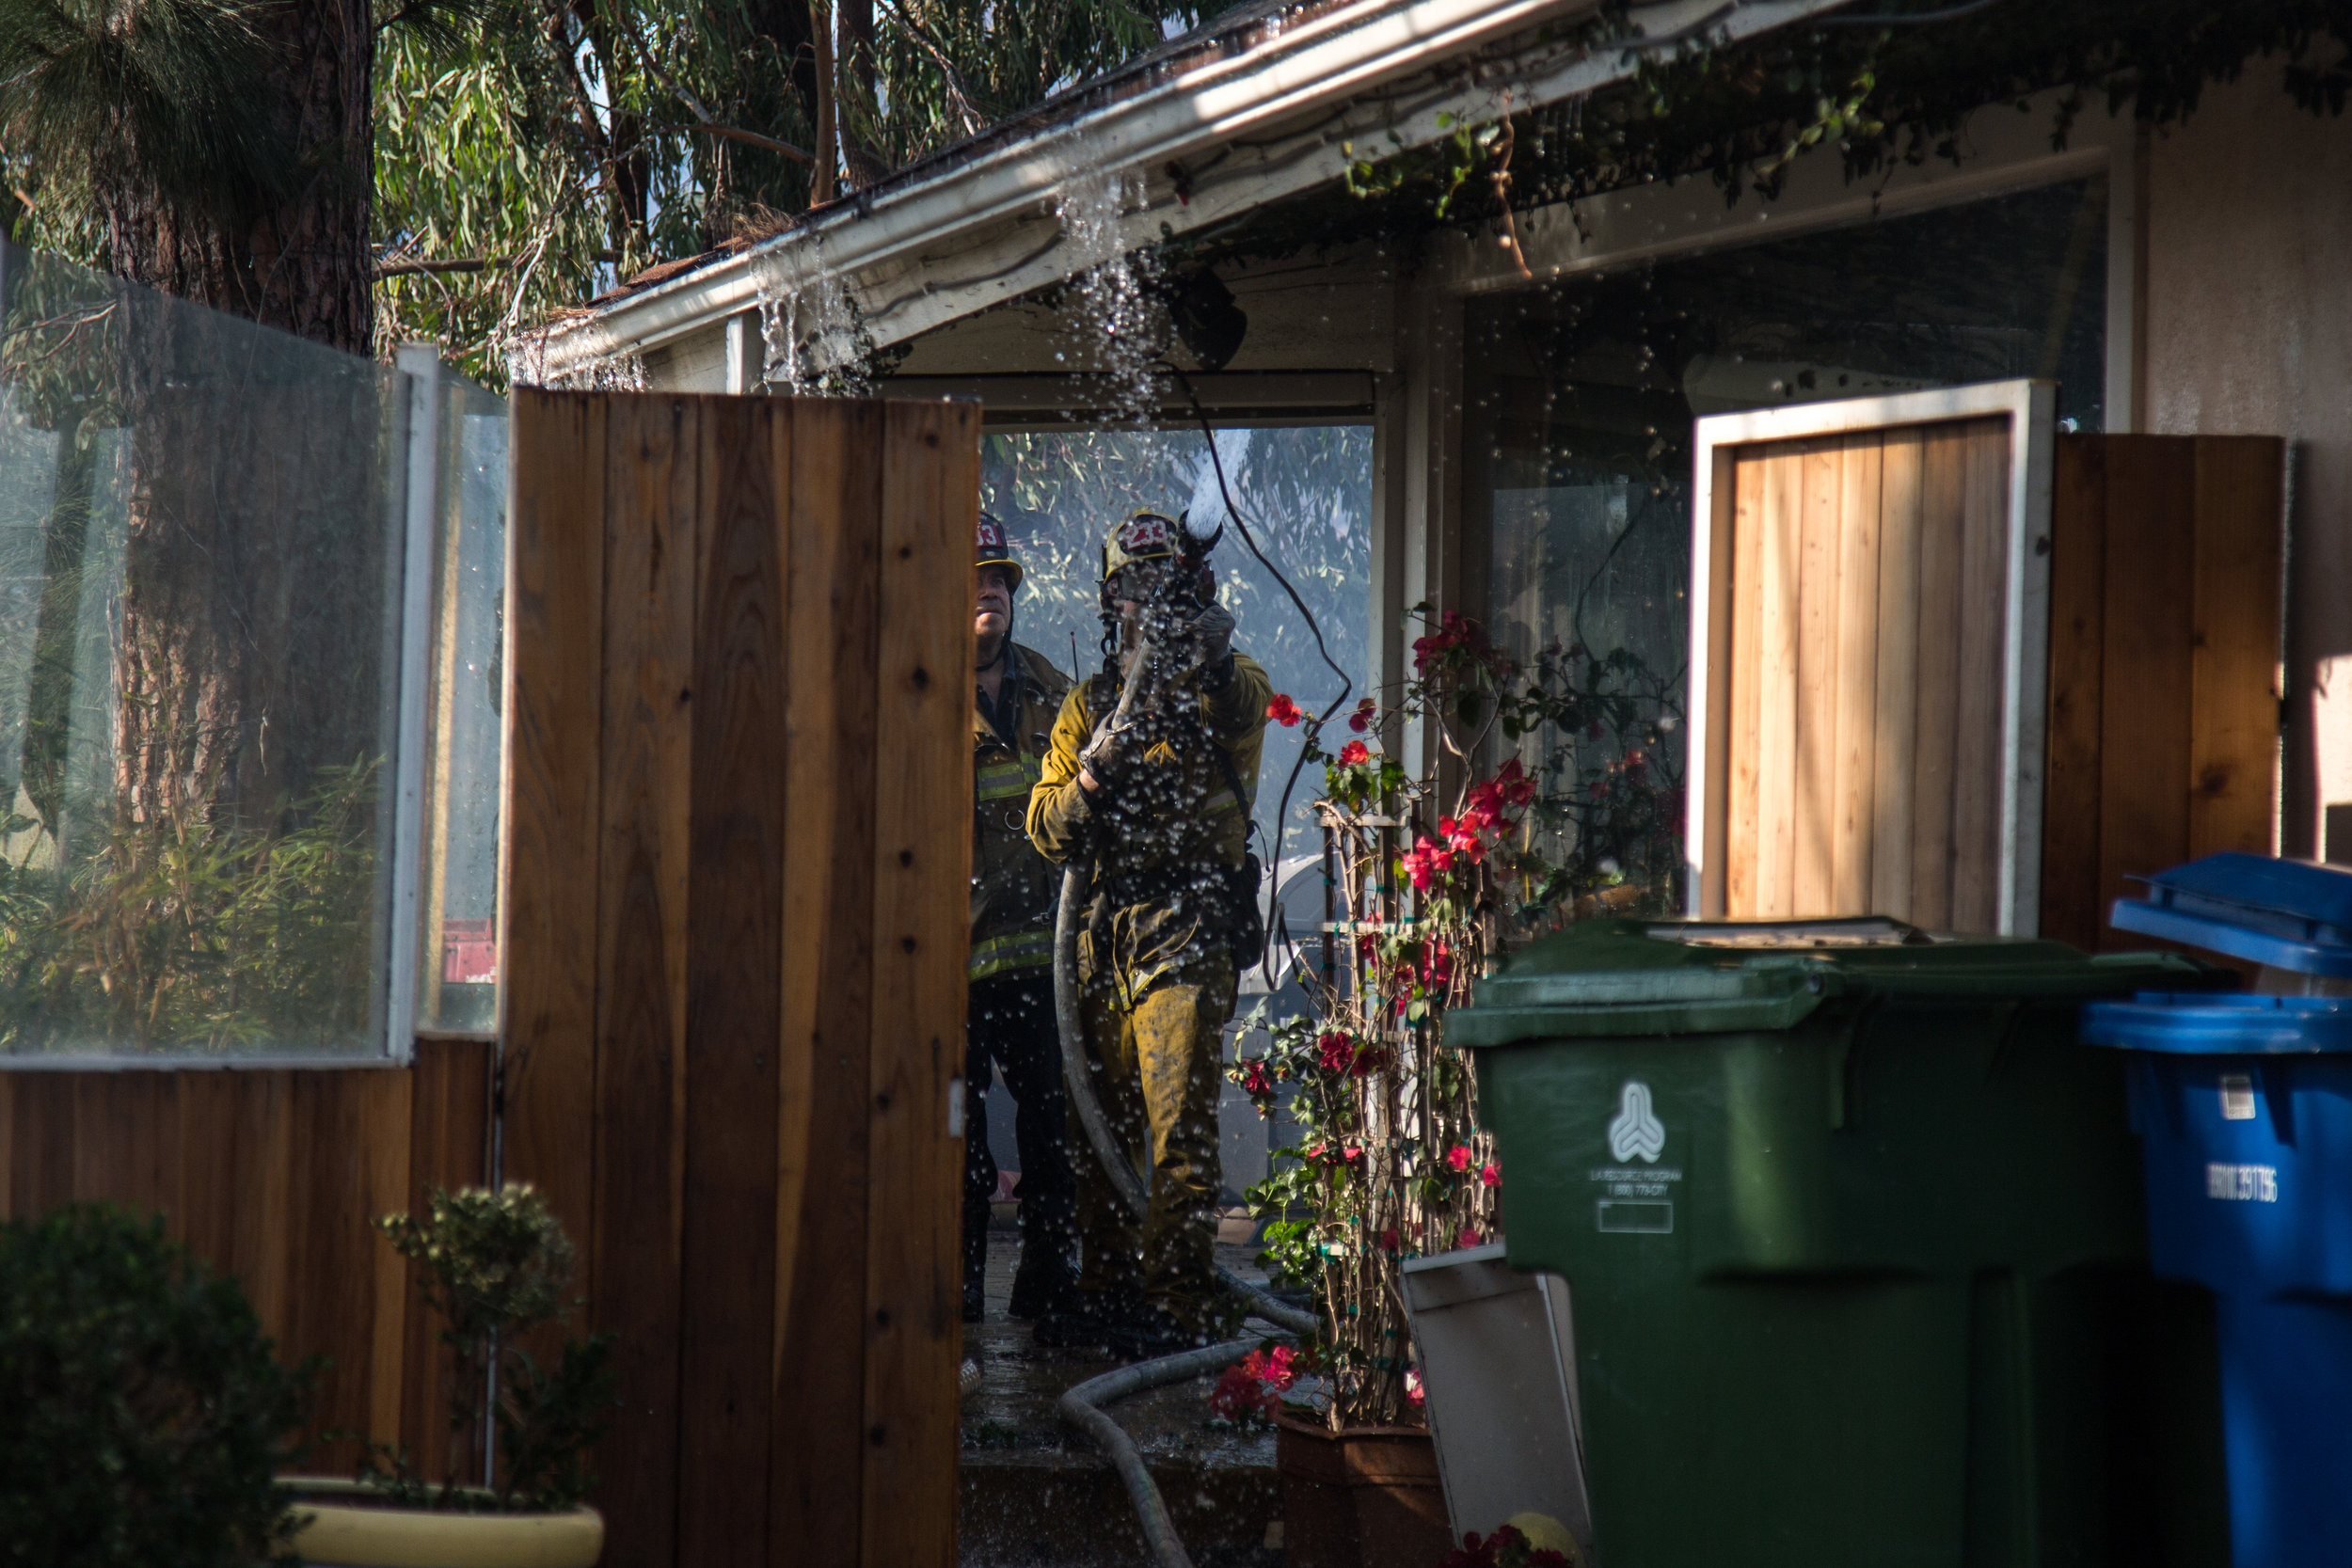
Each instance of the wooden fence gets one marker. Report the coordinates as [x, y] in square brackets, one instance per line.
[739, 786]
[273, 1176]
[2164, 665]
[739, 850]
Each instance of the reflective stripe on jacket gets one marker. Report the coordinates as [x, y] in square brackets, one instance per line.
[1012, 887]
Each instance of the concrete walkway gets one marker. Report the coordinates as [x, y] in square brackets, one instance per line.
[1034, 1494]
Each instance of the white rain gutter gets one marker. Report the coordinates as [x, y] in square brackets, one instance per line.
[1276, 119]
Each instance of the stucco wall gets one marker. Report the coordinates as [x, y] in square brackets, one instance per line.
[2249, 330]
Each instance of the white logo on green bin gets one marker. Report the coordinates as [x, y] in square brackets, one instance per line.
[1636, 1133]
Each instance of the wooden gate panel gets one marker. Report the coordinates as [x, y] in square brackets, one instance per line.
[554, 708]
[649, 536]
[2164, 675]
[1867, 590]
[923, 804]
[774, 921]
[823, 1166]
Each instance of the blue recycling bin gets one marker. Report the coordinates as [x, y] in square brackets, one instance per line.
[2244, 1107]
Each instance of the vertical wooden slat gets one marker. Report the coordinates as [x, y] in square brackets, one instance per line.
[327, 1252]
[263, 1197]
[1776, 684]
[43, 1173]
[449, 1147]
[209, 1159]
[733, 988]
[1897, 706]
[819, 1356]
[1714, 790]
[2070, 802]
[1822, 467]
[931, 504]
[1941, 611]
[1743, 837]
[555, 598]
[2144, 725]
[386, 1114]
[2234, 729]
[650, 534]
[1860, 504]
[1978, 758]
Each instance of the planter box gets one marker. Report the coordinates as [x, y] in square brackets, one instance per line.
[346, 1524]
[1366, 1497]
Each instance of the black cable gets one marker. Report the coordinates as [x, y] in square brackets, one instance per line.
[1347, 688]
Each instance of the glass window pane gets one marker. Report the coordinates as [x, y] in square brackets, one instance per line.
[1581, 395]
[200, 547]
[458, 986]
[1307, 496]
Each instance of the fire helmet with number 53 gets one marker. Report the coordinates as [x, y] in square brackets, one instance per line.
[993, 551]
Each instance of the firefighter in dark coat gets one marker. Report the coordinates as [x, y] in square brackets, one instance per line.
[1009, 1022]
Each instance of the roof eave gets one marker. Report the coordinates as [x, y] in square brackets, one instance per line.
[975, 232]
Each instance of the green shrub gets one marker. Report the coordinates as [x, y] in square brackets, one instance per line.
[142, 1412]
[496, 1265]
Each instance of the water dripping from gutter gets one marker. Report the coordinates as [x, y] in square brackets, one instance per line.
[1115, 291]
[808, 329]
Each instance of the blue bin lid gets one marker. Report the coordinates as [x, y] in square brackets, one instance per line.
[2289, 914]
[2235, 1024]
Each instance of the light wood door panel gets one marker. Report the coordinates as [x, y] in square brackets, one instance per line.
[1868, 561]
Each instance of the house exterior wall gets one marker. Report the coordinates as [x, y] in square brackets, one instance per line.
[2247, 329]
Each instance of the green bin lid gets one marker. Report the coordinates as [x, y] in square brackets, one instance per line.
[1704, 977]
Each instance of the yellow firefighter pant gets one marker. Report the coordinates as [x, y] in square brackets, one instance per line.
[1160, 1071]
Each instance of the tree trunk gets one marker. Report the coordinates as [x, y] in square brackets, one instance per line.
[297, 261]
[223, 662]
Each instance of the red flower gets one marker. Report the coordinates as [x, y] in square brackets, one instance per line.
[1426, 862]
[1255, 1081]
[1458, 1157]
[1516, 788]
[1241, 1396]
[1335, 1052]
[1362, 718]
[1469, 1237]
[1271, 1367]
[1388, 1239]
[1412, 1387]
[1437, 970]
[1355, 752]
[1490, 1175]
[1283, 711]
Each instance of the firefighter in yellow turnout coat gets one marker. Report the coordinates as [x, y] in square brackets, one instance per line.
[1161, 809]
[1010, 1020]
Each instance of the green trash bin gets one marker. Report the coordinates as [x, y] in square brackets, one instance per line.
[1853, 1233]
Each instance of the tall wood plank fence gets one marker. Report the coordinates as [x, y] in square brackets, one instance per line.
[739, 854]
[740, 783]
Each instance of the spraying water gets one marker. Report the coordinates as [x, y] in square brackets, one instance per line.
[1115, 289]
[1205, 512]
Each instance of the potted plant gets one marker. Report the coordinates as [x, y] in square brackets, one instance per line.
[1553, 794]
[142, 1412]
[496, 1266]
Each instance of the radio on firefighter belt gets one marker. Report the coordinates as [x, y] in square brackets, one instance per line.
[1170, 645]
